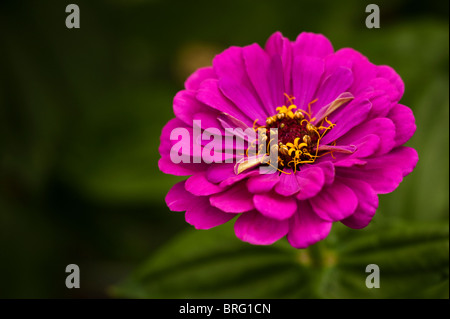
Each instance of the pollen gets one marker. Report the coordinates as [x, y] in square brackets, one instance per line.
[298, 137]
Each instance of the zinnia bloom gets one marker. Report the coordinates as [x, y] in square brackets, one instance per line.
[340, 135]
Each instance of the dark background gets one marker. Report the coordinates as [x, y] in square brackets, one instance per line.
[81, 111]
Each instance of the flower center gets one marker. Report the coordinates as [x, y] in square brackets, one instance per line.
[298, 137]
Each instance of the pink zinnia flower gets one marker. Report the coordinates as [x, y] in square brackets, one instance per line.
[340, 132]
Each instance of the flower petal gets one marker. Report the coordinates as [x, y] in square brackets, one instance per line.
[288, 184]
[237, 199]
[210, 94]
[335, 202]
[384, 173]
[203, 216]
[381, 103]
[365, 146]
[166, 143]
[257, 229]
[275, 206]
[178, 199]
[312, 44]
[367, 203]
[165, 165]
[310, 181]
[281, 46]
[235, 83]
[243, 99]
[382, 127]
[362, 69]
[193, 82]
[306, 228]
[404, 121]
[306, 75]
[198, 185]
[346, 118]
[236, 178]
[185, 105]
[331, 87]
[219, 172]
[389, 73]
[266, 75]
[382, 84]
[262, 183]
[327, 168]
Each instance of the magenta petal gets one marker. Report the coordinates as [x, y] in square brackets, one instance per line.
[381, 103]
[234, 179]
[403, 158]
[386, 172]
[306, 228]
[185, 105]
[334, 85]
[244, 100]
[335, 202]
[388, 73]
[363, 70]
[166, 144]
[312, 44]
[365, 147]
[208, 120]
[235, 83]
[382, 127]
[281, 46]
[193, 82]
[266, 75]
[353, 114]
[306, 75]
[404, 121]
[257, 229]
[349, 162]
[178, 199]
[210, 94]
[262, 183]
[382, 84]
[203, 216]
[217, 173]
[327, 168]
[234, 200]
[335, 61]
[165, 165]
[367, 203]
[275, 206]
[198, 185]
[288, 184]
[310, 181]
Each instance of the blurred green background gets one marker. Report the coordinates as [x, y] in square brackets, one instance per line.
[81, 111]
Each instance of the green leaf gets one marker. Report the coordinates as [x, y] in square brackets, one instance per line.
[413, 263]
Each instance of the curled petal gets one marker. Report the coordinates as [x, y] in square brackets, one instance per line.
[193, 82]
[306, 228]
[367, 203]
[198, 185]
[335, 202]
[384, 173]
[257, 229]
[203, 216]
[275, 206]
[404, 121]
[234, 200]
[178, 199]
